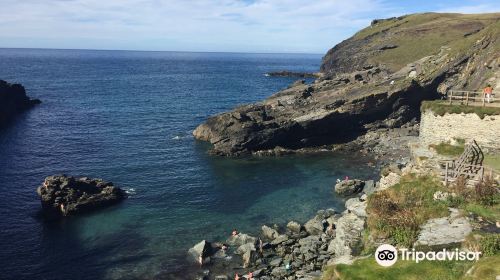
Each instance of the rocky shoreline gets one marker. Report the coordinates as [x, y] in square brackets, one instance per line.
[291, 251]
[294, 251]
[293, 74]
[13, 101]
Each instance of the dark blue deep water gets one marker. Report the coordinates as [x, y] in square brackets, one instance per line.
[127, 117]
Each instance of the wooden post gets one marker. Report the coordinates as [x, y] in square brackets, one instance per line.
[446, 175]
[451, 96]
[467, 99]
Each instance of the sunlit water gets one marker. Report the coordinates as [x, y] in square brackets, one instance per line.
[127, 117]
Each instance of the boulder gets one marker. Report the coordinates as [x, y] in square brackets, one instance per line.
[349, 187]
[446, 232]
[280, 239]
[240, 239]
[269, 232]
[369, 187]
[315, 226]
[388, 181]
[356, 206]
[348, 237]
[203, 249]
[294, 227]
[65, 195]
[242, 249]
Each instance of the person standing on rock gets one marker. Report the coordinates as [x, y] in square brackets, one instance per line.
[488, 91]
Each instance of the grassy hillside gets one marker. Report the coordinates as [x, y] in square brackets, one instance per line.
[410, 38]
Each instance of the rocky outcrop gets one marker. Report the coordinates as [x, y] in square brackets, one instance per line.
[63, 195]
[348, 236]
[13, 100]
[293, 74]
[446, 232]
[349, 187]
[369, 83]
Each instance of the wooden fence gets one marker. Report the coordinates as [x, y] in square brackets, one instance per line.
[469, 165]
[467, 97]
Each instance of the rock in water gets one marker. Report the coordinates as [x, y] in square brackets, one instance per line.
[269, 233]
[294, 227]
[349, 187]
[65, 195]
[203, 249]
[13, 100]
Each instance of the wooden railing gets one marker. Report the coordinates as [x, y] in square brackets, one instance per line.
[473, 173]
[469, 165]
[467, 97]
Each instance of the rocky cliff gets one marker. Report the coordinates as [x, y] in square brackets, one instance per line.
[373, 80]
[13, 100]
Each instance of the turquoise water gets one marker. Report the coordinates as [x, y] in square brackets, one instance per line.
[127, 117]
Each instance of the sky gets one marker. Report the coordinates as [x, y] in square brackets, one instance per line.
[274, 26]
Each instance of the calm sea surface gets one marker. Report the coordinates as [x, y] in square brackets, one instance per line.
[127, 117]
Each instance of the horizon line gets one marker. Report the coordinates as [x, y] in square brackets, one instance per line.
[132, 50]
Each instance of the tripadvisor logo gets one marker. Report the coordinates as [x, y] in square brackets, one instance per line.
[387, 255]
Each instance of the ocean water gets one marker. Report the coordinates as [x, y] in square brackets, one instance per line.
[127, 117]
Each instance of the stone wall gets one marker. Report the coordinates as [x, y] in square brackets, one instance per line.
[435, 129]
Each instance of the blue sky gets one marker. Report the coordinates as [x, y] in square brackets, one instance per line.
[202, 25]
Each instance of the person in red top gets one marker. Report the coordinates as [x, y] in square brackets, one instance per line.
[488, 91]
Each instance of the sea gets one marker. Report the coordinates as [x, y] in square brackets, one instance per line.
[128, 117]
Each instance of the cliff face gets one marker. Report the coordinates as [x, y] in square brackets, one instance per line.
[13, 100]
[375, 79]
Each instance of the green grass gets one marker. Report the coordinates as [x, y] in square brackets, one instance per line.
[447, 149]
[368, 269]
[398, 212]
[441, 108]
[486, 268]
[490, 213]
[492, 161]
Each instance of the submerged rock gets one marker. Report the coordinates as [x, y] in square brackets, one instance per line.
[13, 100]
[349, 187]
[65, 195]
